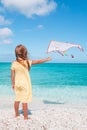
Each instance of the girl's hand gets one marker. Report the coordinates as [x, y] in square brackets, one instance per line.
[49, 58]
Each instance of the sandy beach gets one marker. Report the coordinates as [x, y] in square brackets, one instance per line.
[45, 115]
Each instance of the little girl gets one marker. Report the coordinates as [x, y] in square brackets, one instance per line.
[21, 82]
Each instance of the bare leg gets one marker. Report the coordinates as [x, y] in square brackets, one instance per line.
[25, 109]
[16, 108]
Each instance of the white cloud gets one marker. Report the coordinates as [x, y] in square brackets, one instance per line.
[31, 7]
[5, 34]
[40, 26]
[4, 21]
[5, 41]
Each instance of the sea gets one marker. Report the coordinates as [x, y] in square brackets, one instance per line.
[57, 83]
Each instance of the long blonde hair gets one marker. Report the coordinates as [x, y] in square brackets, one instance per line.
[21, 52]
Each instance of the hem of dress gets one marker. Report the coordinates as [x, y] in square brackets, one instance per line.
[23, 101]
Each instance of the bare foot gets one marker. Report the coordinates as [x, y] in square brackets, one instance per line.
[17, 115]
[26, 118]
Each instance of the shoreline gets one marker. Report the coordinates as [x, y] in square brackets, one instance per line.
[8, 101]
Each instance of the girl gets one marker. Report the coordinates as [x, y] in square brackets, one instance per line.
[21, 82]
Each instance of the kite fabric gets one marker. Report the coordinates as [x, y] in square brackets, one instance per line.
[62, 47]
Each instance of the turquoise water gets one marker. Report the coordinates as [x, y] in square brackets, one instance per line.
[62, 83]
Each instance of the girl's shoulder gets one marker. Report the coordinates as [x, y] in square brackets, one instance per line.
[14, 62]
[13, 65]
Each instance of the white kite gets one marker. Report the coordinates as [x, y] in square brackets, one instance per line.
[62, 47]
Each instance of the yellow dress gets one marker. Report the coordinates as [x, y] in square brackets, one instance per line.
[23, 89]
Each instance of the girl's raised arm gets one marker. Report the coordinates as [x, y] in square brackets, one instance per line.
[40, 61]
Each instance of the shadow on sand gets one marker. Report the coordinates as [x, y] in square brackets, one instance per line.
[52, 102]
[21, 112]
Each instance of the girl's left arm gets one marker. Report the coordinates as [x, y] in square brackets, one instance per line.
[41, 61]
[13, 78]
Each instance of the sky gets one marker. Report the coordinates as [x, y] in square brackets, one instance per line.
[35, 23]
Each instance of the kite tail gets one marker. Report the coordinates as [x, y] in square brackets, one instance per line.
[81, 49]
[65, 53]
[60, 53]
[72, 56]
